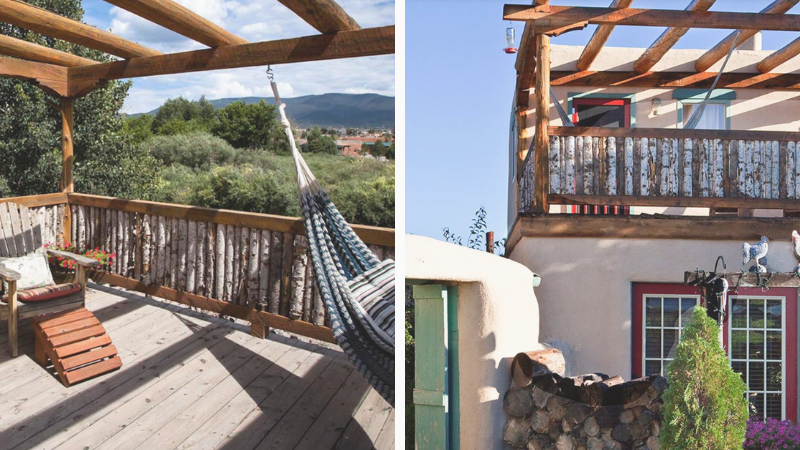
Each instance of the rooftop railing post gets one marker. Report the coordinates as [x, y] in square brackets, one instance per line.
[541, 145]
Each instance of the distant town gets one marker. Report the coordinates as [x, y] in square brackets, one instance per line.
[355, 142]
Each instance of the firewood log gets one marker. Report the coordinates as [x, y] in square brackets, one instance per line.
[528, 365]
[518, 402]
[517, 432]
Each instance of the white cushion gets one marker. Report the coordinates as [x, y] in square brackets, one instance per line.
[34, 270]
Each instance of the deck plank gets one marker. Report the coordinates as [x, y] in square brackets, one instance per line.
[190, 380]
[366, 424]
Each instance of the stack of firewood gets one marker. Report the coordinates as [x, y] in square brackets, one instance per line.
[587, 412]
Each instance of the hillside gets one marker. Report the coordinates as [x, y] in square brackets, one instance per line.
[329, 110]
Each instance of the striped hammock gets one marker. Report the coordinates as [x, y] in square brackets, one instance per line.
[356, 287]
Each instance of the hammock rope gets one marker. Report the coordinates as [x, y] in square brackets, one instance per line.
[357, 288]
[694, 120]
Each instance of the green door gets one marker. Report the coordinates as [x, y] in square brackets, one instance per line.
[436, 367]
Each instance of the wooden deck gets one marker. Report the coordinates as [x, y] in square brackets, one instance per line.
[190, 381]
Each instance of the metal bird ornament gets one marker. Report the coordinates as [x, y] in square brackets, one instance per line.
[757, 252]
[796, 249]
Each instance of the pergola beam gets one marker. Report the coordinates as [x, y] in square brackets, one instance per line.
[345, 44]
[709, 58]
[50, 24]
[324, 15]
[667, 40]
[599, 39]
[779, 57]
[181, 20]
[52, 79]
[18, 48]
[553, 17]
[735, 80]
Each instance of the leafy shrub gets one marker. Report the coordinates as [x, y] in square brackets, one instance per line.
[250, 126]
[704, 405]
[772, 435]
[173, 111]
[319, 142]
[195, 150]
[5, 191]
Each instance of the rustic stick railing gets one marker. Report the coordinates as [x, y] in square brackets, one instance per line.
[671, 167]
[254, 267]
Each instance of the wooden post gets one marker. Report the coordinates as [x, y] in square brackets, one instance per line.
[67, 182]
[541, 139]
[490, 241]
[12, 318]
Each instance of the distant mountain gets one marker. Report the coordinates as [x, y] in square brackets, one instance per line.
[328, 110]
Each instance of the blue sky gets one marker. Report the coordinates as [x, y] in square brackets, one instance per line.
[459, 87]
[254, 20]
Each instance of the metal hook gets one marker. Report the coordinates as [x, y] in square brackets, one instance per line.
[724, 267]
[270, 74]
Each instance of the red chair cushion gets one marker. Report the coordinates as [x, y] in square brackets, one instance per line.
[46, 293]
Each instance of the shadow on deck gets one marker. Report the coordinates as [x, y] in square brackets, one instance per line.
[190, 380]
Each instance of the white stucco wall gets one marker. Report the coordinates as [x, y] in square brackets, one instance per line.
[585, 295]
[498, 317]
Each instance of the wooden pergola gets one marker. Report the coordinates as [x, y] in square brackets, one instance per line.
[68, 76]
[544, 21]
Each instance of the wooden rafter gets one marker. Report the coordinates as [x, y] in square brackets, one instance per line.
[599, 39]
[779, 57]
[18, 48]
[554, 17]
[345, 44]
[50, 78]
[667, 40]
[719, 51]
[50, 24]
[730, 80]
[324, 15]
[181, 20]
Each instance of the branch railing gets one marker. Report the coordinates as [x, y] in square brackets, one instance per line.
[667, 167]
[252, 266]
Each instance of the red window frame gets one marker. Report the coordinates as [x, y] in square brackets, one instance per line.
[639, 290]
[624, 102]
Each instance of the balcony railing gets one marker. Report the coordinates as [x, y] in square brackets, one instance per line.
[664, 167]
[252, 266]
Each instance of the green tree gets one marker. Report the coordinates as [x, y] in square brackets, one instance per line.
[200, 113]
[106, 161]
[251, 126]
[319, 143]
[139, 128]
[196, 150]
[704, 405]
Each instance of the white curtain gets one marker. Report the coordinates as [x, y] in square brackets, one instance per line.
[713, 117]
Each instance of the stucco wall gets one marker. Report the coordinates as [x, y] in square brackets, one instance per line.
[498, 317]
[585, 295]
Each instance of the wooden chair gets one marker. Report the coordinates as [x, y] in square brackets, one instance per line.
[20, 235]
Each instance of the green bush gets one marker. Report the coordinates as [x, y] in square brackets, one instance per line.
[250, 126]
[319, 142]
[704, 406]
[176, 110]
[197, 150]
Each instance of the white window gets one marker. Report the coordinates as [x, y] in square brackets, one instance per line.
[757, 348]
[664, 319]
[713, 118]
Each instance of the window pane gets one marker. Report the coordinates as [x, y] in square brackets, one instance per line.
[670, 343]
[739, 313]
[652, 348]
[739, 344]
[671, 312]
[713, 117]
[757, 400]
[653, 312]
[756, 345]
[774, 347]
[740, 367]
[652, 368]
[774, 407]
[774, 376]
[756, 313]
[600, 115]
[774, 313]
[756, 376]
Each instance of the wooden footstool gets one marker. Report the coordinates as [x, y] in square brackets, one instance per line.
[76, 344]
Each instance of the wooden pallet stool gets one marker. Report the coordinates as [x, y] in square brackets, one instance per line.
[76, 344]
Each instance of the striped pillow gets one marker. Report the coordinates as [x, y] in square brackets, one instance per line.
[373, 290]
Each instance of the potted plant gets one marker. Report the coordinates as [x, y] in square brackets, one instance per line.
[63, 269]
